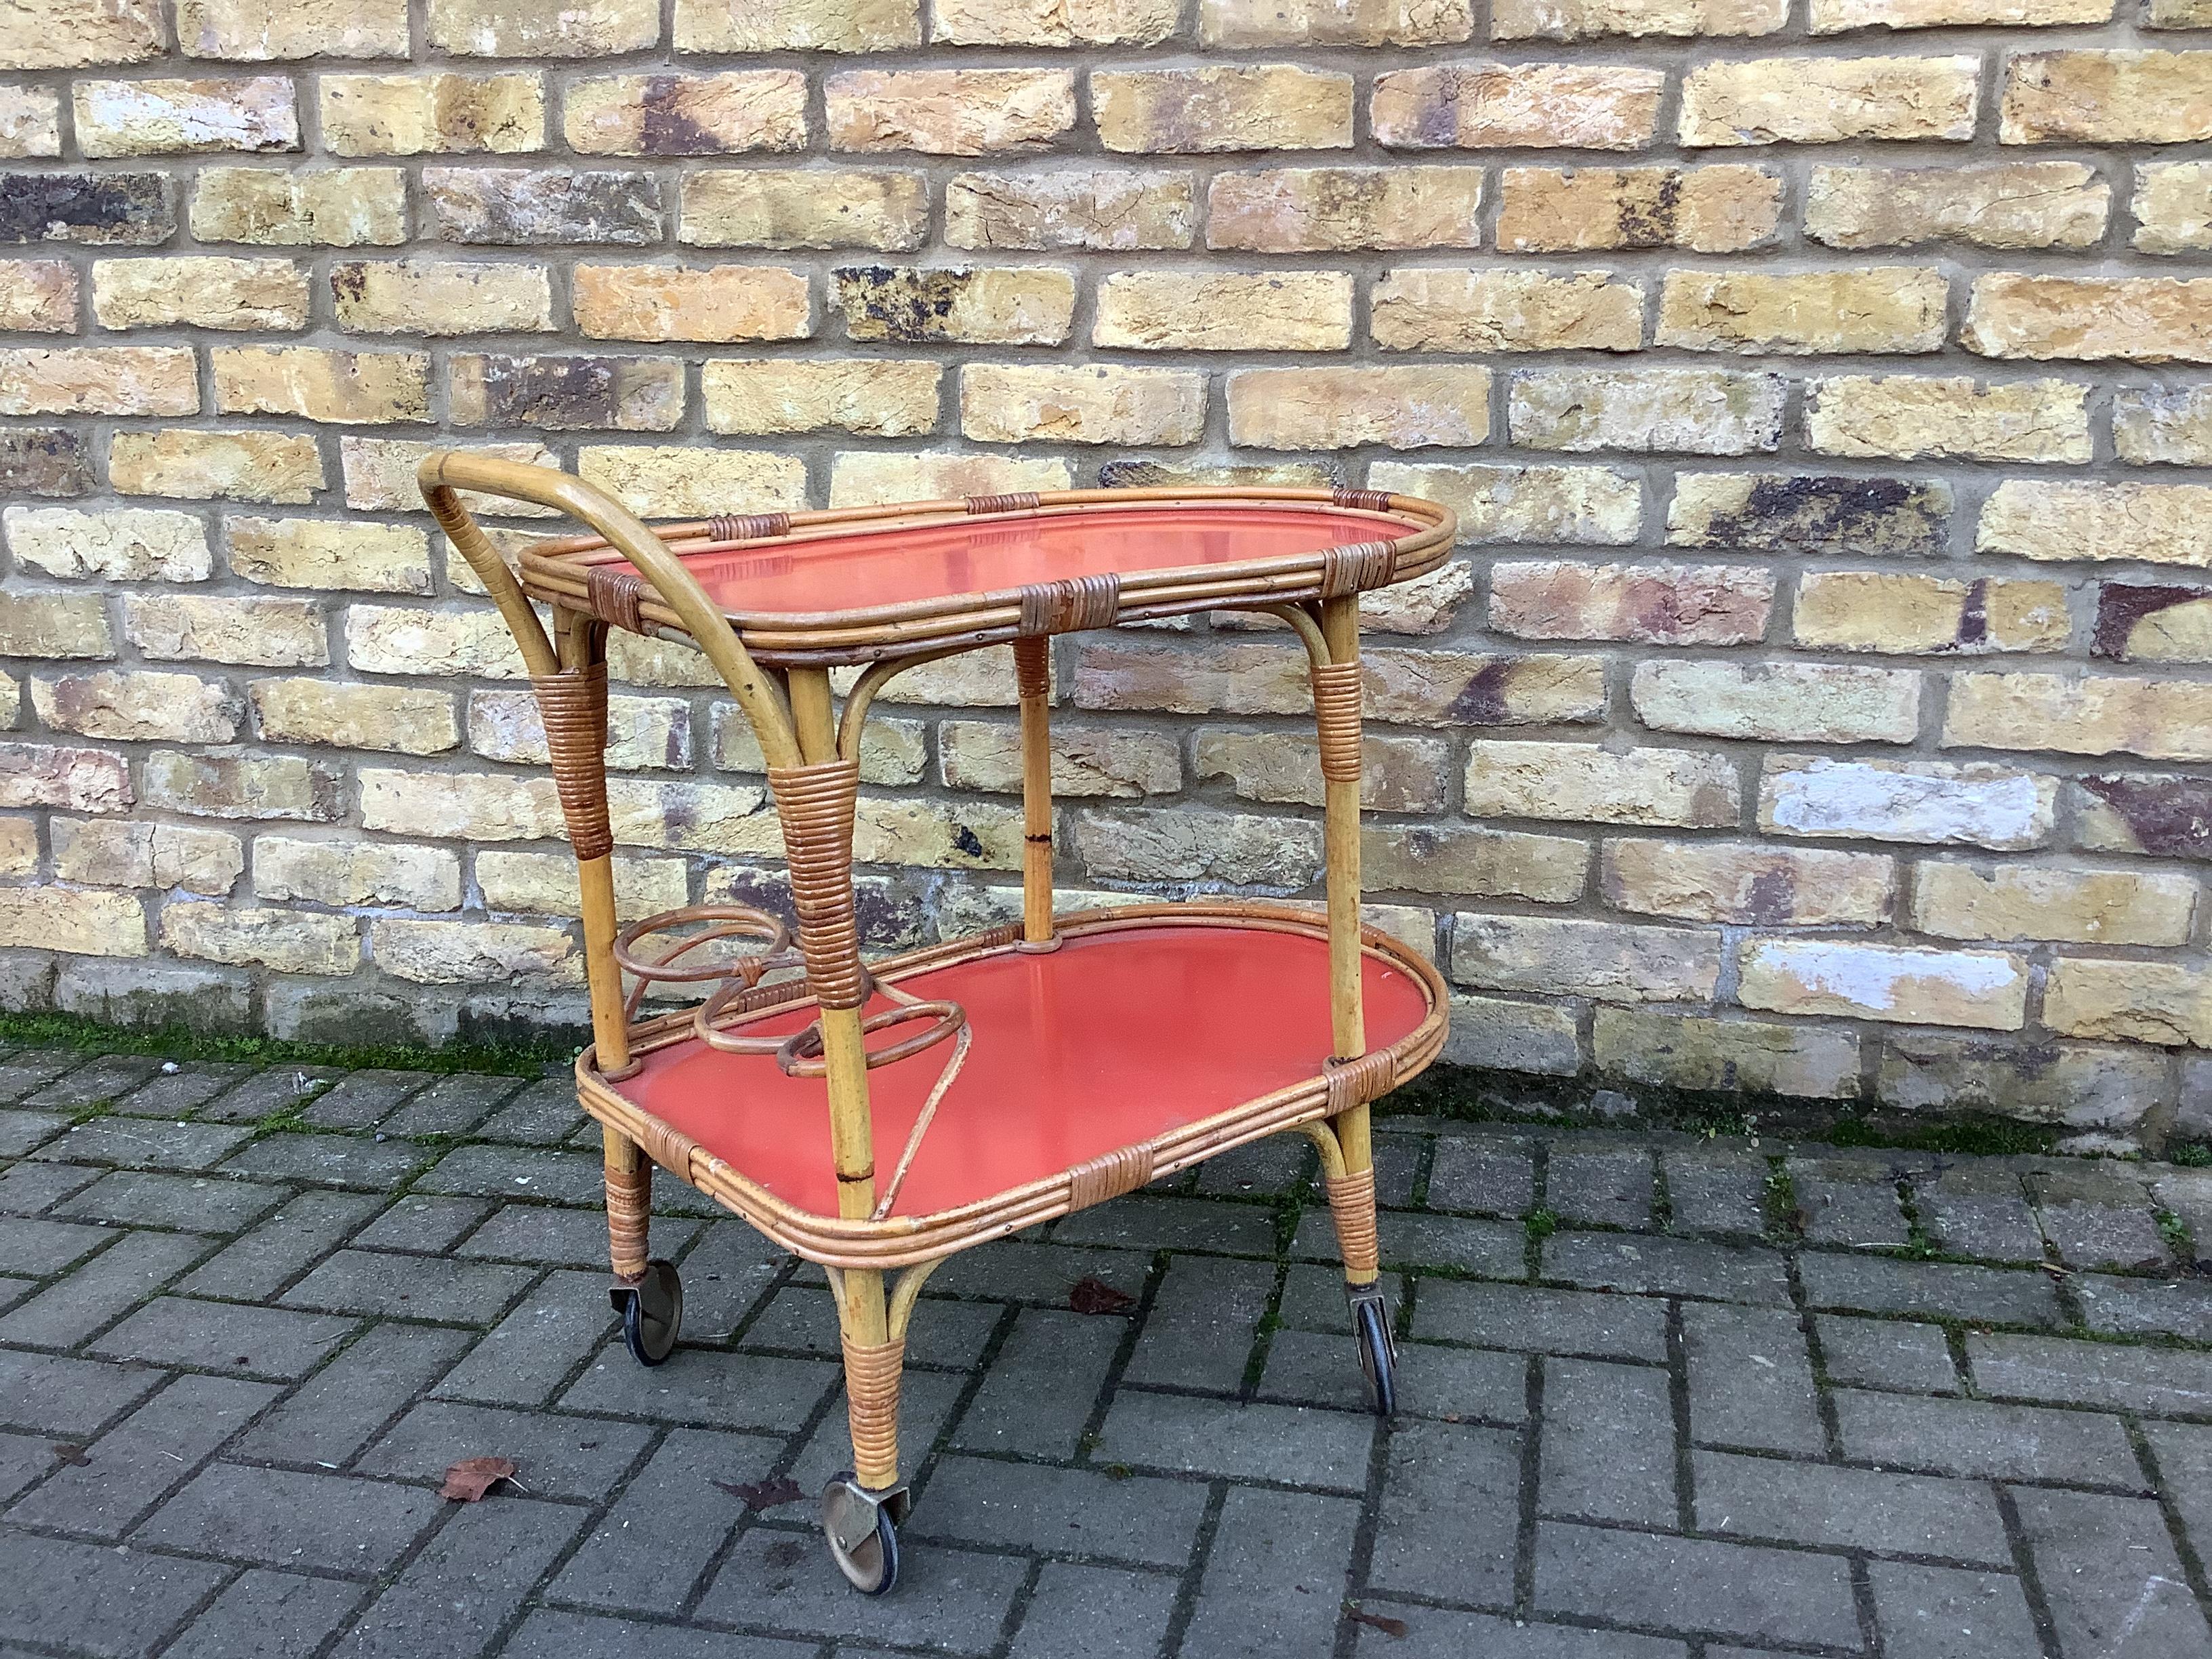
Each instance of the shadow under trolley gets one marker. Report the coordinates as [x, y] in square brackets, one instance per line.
[876, 1118]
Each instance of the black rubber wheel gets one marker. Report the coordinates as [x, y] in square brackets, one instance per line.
[652, 1313]
[1377, 1358]
[867, 1555]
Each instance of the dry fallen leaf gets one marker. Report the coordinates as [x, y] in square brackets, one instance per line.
[469, 1479]
[763, 1494]
[1381, 1621]
[70, 1453]
[1094, 1295]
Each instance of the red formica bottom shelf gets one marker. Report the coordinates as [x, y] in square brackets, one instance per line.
[1109, 1041]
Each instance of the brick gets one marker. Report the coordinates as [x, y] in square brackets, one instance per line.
[2132, 813]
[1867, 610]
[590, 28]
[1607, 1449]
[124, 545]
[396, 719]
[1736, 1589]
[1222, 107]
[1983, 989]
[1446, 858]
[136, 854]
[299, 1519]
[98, 381]
[1171, 311]
[1118, 210]
[432, 115]
[657, 303]
[1655, 604]
[243, 466]
[1585, 783]
[879, 398]
[37, 296]
[54, 625]
[810, 209]
[1576, 504]
[405, 639]
[1877, 309]
[1613, 962]
[2090, 715]
[2086, 907]
[676, 482]
[82, 780]
[2150, 623]
[948, 112]
[123, 1599]
[343, 872]
[1925, 802]
[2148, 320]
[686, 114]
[2156, 524]
[565, 393]
[546, 884]
[1237, 23]
[81, 921]
[1825, 100]
[332, 555]
[1320, 209]
[49, 461]
[1680, 1052]
[2173, 207]
[380, 475]
[1694, 410]
[76, 35]
[509, 207]
[859, 478]
[331, 207]
[228, 784]
[99, 208]
[19, 847]
[1347, 407]
[1910, 417]
[1753, 884]
[2128, 1001]
[320, 384]
[718, 25]
[439, 296]
[199, 292]
[2106, 97]
[1014, 404]
[1007, 306]
[1577, 20]
[175, 117]
[256, 31]
[1844, 1508]
[1043, 23]
[1716, 209]
[30, 122]
[1480, 105]
[473, 952]
[261, 632]
[286, 941]
[1431, 310]
[136, 705]
[1397, 775]
[1778, 703]
[2016, 204]
[643, 732]
[1178, 844]
[2065, 1082]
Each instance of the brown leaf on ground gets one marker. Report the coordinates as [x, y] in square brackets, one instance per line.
[763, 1494]
[469, 1479]
[1382, 1621]
[1096, 1296]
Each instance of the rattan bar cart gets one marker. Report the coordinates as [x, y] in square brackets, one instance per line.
[876, 1119]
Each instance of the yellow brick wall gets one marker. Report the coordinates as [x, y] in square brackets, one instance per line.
[1819, 702]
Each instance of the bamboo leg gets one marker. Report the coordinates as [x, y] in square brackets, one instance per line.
[630, 1205]
[1033, 677]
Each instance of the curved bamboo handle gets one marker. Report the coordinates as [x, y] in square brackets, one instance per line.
[445, 471]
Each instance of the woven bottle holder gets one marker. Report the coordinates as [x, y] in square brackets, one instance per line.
[572, 704]
[1351, 1203]
[872, 1404]
[816, 803]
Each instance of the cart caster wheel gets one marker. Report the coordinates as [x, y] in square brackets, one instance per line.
[652, 1312]
[862, 1533]
[1379, 1350]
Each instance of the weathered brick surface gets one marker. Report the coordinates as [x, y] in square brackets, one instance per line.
[1829, 516]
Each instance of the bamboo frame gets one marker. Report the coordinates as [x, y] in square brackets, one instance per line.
[628, 574]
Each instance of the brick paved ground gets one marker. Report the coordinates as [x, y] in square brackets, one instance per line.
[1664, 1399]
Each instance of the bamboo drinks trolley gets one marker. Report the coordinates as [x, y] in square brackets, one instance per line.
[876, 1119]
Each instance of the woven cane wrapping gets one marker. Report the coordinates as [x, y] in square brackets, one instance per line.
[1351, 1202]
[1371, 501]
[614, 596]
[1109, 1176]
[1355, 1081]
[572, 704]
[1356, 568]
[816, 803]
[1336, 719]
[872, 1401]
[670, 1148]
[1065, 607]
[1017, 500]
[629, 1208]
[1032, 665]
[747, 527]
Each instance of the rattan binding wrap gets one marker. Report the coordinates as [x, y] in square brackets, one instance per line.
[671, 1148]
[614, 595]
[1336, 719]
[1109, 1176]
[1032, 665]
[1369, 501]
[872, 1401]
[572, 704]
[1355, 1081]
[1351, 1202]
[815, 803]
[747, 527]
[630, 1209]
[1016, 501]
[1064, 607]
[1356, 568]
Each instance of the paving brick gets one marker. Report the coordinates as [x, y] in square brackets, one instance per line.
[802, 1319]
[279, 1517]
[47, 1247]
[1496, 1250]
[1491, 1176]
[1135, 1519]
[171, 1093]
[550, 1176]
[120, 1604]
[266, 1614]
[23, 1459]
[28, 1188]
[2160, 1381]
[1942, 1613]
[207, 1204]
[1887, 1353]
[1605, 1187]
[1712, 1192]
[2103, 1235]
[1261, 1168]
[1217, 1436]
[1696, 1584]
[1847, 1204]
[558, 1455]
[1972, 1437]
[525, 1357]
[543, 1113]
[258, 1264]
[1145, 1221]
[466, 1582]
[139, 1462]
[2108, 1571]
[724, 1390]
[133, 1143]
[1022, 1270]
[1200, 1331]
[667, 1525]
[2184, 1454]
[345, 1405]
[360, 1098]
[1995, 1226]
[953, 1600]
[1313, 1298]
[1608, 1449]
[29, 1071]
[452, 1105]
[409, 1286]
[1311, 1368]
[1265, 1542]
[1039, 1395]
[546, 1634]
[331, 1160]
[128, 1271]
[22, 1131]
[1944, 1289]
[277, 1092]
[94, 1082]
[1431, 1634]
[1101, 1613]
[1667, 1266]
[724, 1274]
[1817, 1504]
[431, 1225]
[1751, 1380]
[2135, 1307]
[1542, 1321]
[226, 1336]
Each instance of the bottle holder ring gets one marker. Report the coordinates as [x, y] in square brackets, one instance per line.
[800, 1055]
[723, 921]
